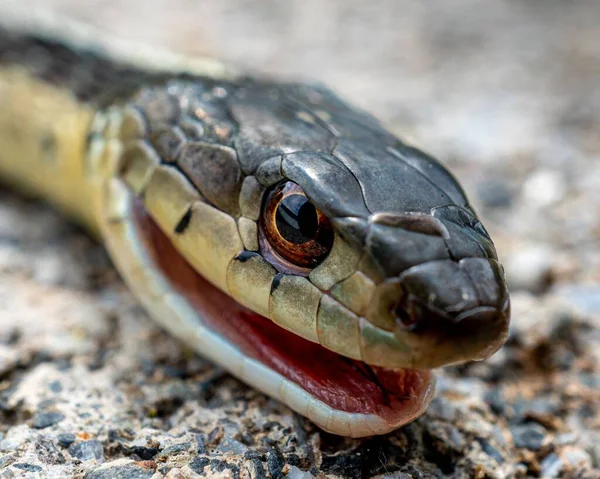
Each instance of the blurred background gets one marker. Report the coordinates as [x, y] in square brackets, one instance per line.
[506, 93]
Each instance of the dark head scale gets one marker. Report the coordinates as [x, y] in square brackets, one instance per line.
[437, 273]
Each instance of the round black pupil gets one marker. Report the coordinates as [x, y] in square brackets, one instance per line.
[296, 219]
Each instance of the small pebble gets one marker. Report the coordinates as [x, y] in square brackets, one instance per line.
[87, 450]
[46, 404]
[275, 463]
[6, 459]
[144, 453]
[123, 469]
[441, 408]
[55, 386]
[27, 467]
[255, 469]
[46, 419]
[231, 446]
[565, 438]
[11, 443]
[490, 450]
[294, 473]
[175, 449]
[200, 446]
[529, 436]
[66, 439]
[540, 406]
[495, 399]
[198, 464]
[175, 473]
[551, 466]
[252, 454]
[574, 456]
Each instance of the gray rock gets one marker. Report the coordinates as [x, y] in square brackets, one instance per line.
[198, 464]
[144, 453]
[120, 470]
[529, 436]
[27, 467]
[490, 450]
[575, 456]
[6, 459]
[66, 439]
[565, 438]
[538, 406]
[229, 445]
[55, 387]
[87, 450]
[551, 466]
[442, 408]
[11, 443]
[275, 463]
[175, 449]
[255, 469]
[48, 452]
[294, 473]
[46, 419]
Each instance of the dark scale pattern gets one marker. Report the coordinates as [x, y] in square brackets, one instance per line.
[356, 172]
[90, 75]
[397, 203]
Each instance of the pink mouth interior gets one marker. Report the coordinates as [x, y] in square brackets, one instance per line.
[342, 383]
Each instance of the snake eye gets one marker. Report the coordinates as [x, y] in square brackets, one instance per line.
[294, 228]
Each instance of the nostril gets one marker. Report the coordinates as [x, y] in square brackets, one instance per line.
[405, 316]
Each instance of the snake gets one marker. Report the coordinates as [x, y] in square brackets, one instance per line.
[282, 233]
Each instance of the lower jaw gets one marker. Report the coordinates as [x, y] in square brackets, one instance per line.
[380, 399]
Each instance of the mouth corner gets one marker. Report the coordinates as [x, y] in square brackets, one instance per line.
[335, 392]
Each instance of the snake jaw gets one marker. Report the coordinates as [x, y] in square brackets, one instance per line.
[331, 390]
[158, 230]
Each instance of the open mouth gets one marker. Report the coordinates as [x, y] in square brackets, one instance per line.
[388, 398]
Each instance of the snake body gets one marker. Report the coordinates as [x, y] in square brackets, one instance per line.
[182, 168]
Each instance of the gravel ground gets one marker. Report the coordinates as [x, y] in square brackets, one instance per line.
[505, 92]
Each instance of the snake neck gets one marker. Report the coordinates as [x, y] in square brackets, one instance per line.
[57, 81]
[43, 140]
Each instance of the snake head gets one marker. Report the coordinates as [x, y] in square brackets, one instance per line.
[293, 240]
[410, 257]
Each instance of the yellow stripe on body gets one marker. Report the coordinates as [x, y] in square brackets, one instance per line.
[43, 139]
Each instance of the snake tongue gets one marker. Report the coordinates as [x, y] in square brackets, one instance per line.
[341, 383]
